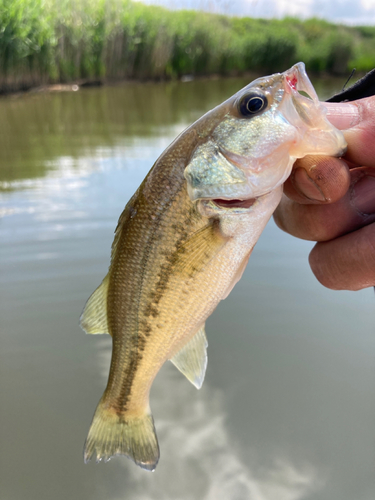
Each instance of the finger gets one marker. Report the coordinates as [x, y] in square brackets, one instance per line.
[343, 115]
[324, 222]
[318, 179]
[348, 262]
[357, 120]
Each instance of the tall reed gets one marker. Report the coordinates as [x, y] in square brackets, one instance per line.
[46, 41]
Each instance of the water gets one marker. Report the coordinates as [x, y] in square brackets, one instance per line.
[287, 410]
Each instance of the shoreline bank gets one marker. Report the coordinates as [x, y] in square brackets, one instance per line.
[80, 84]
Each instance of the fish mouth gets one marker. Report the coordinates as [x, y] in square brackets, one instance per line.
[297, 81]
[234, 203]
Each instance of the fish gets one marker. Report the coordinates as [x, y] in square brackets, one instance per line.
[183, 242]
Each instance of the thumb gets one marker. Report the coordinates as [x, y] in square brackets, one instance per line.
[357, 121]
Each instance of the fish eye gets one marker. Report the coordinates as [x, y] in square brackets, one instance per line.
[252, 104]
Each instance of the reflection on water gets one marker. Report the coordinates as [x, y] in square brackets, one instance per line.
[38, 130]
[287, 410]
[197, 447]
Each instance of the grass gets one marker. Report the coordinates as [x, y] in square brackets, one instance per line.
[50, 41]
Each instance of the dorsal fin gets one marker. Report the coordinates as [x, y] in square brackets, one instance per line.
[94, 317]
[191, 360]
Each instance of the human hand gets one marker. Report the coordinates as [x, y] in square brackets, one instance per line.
[332, 201]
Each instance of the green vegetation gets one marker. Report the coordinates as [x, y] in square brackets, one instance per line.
[46, 41]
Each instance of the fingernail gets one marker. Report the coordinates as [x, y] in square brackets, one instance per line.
[342, 114]
[363, 195]
[306, 186]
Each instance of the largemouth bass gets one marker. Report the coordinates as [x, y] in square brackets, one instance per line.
[183, 242]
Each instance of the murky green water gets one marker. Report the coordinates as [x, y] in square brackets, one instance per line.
[287, 411]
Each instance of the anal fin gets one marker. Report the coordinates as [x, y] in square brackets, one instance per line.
[94, 316]
[191, 360]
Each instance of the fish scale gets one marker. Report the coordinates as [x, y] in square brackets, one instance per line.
[183, 242]
[146, 245]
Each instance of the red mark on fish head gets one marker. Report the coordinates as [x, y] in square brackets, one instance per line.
[292, 81]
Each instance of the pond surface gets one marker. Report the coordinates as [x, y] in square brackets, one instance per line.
[287, 410]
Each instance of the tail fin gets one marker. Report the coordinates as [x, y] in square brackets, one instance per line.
[114, 434]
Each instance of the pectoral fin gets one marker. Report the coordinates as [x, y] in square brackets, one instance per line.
[94, 317]
[195, 253]
[191, 360]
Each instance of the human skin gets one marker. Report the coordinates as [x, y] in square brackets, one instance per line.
[332, 201]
